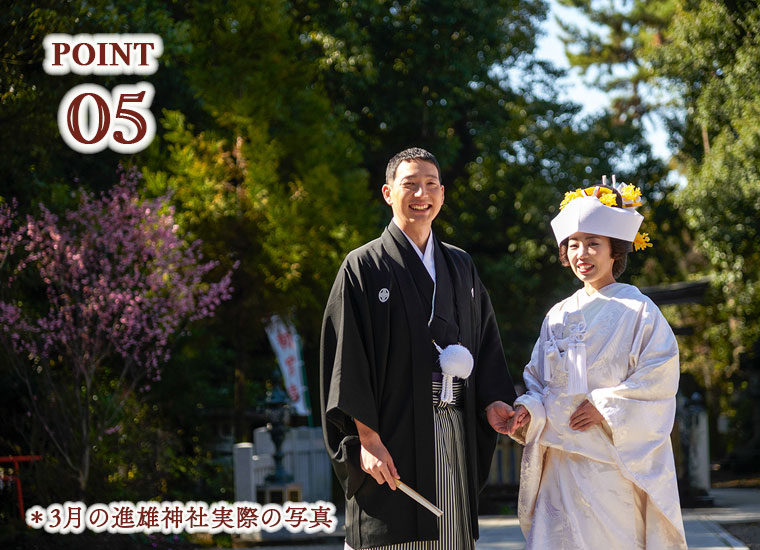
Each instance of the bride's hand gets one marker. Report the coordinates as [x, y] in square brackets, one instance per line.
[585, 416]
[520, 419]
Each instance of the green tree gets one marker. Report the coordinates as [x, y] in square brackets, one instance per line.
[607, 49]
[271, 178]
[419, 73]
[711, 56]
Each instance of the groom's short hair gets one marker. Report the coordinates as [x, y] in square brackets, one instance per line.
[414, 153]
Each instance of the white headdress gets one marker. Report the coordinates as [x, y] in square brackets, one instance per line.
[592, 210]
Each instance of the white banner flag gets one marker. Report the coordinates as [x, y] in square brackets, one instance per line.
[287, 347]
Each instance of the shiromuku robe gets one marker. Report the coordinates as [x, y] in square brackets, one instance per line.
[631, 376]
[376, 367]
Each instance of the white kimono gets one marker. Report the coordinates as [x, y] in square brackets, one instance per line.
[614, 485]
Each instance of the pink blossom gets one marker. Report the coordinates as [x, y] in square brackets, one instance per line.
[117, 275]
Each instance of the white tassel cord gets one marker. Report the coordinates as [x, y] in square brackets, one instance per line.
[576, 368]
[551, 355]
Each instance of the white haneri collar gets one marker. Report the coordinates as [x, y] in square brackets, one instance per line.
[427, 258]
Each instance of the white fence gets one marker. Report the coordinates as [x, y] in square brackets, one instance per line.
[305, 458]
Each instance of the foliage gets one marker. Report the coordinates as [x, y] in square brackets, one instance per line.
[723, 195]
[118, 281]
[607, 50]
[271, 178]
[420, 73]
[711, 56]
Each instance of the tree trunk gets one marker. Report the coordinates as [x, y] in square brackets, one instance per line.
[84, 472]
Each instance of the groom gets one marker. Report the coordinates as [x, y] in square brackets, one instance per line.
[393, 300]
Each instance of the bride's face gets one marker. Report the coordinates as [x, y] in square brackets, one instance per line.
[590, 257]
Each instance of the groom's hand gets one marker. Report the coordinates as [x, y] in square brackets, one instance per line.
[375, 458]
[498, 414]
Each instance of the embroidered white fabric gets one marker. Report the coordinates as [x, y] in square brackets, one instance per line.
[631, 371]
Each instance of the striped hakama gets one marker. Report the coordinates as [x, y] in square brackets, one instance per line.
[454, 529]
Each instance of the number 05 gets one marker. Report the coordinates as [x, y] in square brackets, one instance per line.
[89, 123]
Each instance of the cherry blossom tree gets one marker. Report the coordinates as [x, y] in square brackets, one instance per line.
[89, 303]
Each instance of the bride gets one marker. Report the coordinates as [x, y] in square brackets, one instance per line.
[598, 470]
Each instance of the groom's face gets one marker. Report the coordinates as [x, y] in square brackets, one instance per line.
[415, 194]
